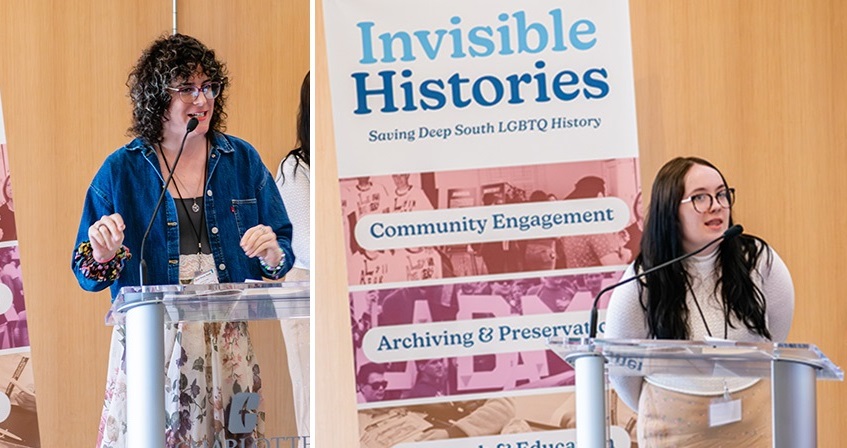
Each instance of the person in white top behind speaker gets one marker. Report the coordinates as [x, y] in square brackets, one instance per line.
[739, 290]
[293, 179]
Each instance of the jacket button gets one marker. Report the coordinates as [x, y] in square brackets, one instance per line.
[209, 193]
[215, 230]
[222, 267]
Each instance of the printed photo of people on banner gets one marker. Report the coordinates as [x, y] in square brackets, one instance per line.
[491, 188]
[503, 419]
[18, 417]
[13, 322]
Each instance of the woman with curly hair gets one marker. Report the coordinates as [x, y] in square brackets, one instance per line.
[222, 221]
[739, 290]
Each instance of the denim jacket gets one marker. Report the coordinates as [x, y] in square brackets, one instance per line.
[240, 193]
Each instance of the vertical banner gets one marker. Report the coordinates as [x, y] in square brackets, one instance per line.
[488, 165]
[18, 418]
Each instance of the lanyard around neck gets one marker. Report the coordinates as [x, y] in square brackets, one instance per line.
[703, 317]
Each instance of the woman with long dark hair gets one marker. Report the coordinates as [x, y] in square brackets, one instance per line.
[739, 290]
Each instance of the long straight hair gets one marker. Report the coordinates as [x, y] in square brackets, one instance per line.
[301, 152]
[666, 309]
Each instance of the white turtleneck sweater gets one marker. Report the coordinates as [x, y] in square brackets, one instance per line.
[626, 319]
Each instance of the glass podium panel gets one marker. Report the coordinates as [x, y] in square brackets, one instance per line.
[144, 312]
[630, 357]
[792, 368]
[220, 302]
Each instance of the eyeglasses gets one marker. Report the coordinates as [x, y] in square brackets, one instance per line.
[189, 94]
[702, 202]
[378, 384]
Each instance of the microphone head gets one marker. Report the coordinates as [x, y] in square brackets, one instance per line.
[192, 124]
[733, 231]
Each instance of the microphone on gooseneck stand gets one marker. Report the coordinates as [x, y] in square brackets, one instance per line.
[730, 233]
[192, 124]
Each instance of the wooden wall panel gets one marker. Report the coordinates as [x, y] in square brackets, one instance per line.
[63, 68]
[756, 87]
[334, 400]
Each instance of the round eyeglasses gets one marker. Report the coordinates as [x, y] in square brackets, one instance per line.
[703, 202]
[189, 94]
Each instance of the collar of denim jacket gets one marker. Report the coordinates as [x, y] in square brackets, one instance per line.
[219, 143]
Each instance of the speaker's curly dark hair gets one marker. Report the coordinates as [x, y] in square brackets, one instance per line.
[170, 59]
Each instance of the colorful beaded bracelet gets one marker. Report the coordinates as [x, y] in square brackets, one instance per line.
[273, 271]
[100, 272]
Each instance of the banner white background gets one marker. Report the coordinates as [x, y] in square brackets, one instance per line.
[614, 138]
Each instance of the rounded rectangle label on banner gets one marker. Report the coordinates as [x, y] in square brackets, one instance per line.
[529, 220]
[395, 343]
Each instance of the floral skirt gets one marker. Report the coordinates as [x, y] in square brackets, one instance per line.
[206, 364]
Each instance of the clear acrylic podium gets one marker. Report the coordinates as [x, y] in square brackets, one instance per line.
[792, 368]
[144, 311]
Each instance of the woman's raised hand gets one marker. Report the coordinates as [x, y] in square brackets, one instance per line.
[106, 236]
[260, 241]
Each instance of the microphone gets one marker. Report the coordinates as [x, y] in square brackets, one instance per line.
[192, 124]
[730, 233]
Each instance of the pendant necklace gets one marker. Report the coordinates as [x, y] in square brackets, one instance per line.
[195, 207]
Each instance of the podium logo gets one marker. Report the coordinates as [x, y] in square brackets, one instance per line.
[243, 418]
[242, 413]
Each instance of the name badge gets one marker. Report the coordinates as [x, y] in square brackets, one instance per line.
[205, 277]
[723, 412]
